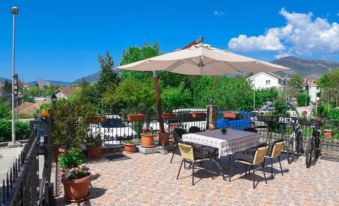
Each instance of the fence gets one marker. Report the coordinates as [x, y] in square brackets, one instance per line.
[117, 128]
[23, 186]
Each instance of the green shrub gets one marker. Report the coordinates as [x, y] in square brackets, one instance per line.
[303, 100]
[5, 110]
[74, 158]
[21, 131]
[25, 116]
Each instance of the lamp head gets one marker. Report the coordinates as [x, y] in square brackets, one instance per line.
[15, 10]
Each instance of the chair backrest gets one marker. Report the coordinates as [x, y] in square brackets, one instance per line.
[177, 134]
[186, 152]
[194, 129]
[277, 149]
[259, 155]
[249, 129]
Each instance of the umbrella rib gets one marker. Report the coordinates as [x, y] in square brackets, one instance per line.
[174, 65]
[232, 66]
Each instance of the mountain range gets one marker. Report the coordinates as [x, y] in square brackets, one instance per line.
[309, 68]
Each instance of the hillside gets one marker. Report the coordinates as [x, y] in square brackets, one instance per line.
[310, 68]
[60, 83]
[89, 78]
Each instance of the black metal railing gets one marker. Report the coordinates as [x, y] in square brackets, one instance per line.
[117, 128]
[22, 185]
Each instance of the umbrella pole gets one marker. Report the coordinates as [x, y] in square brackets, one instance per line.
[158, 102]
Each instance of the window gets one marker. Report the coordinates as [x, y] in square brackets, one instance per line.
[268, 82]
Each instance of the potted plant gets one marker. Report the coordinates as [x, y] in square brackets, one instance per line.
[224, 130]
[147, 137]
[76, 178]
[135, 117]
[94, 145]
[129, 146]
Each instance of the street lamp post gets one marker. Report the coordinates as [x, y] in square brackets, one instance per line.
[15, 11]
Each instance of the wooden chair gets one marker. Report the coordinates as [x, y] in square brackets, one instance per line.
[177, 136]
[191, 156]
[274, 152]
[252, 158]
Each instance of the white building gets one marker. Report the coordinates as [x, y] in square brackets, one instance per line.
[313, 89]
[265, 80]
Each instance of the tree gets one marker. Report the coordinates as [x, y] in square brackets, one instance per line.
[329, 83]
[134, 54]
[295, 85]
[134, 95]
[175, 97]
[108, 77]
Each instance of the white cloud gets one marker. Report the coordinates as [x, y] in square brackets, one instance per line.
[302, 34]
[218, 13]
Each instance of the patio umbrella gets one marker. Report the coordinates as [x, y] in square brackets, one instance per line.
[199, 59]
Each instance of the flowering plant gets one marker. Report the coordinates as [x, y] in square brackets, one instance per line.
[147, 130]
[73, 164]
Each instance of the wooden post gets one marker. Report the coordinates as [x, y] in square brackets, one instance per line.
[158, 102]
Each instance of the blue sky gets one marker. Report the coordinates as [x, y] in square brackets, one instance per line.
[61, 39]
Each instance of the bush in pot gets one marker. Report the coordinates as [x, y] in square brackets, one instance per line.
[76, 178]
[129, 146]
[94, 145]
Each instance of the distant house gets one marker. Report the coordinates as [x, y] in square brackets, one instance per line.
[64, 93]
[265, 80]
[313, 89]
[42, 84]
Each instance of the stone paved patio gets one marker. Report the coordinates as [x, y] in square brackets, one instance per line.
[140, 179]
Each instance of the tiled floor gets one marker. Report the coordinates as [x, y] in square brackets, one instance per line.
[139, 179]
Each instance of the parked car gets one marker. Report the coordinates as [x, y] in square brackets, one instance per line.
[113, 130]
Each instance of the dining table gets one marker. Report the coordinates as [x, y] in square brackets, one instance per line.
[228, 144]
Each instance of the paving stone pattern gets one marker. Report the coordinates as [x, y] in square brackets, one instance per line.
[151, 180]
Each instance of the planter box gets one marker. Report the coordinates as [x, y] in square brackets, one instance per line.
[328, 133]
[97, 120]
[230, 115]
[198, 115]
[168, 116]
[135, 117]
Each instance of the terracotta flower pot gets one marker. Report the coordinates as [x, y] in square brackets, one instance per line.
[163, 138]
[76, 190]
[94, 152]
[129, 148]
[135, 117]
[147, 140]
[168, 116]
[328, 133]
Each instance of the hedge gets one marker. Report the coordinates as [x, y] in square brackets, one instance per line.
[21, 131]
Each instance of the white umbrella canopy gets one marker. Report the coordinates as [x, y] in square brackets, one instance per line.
[202, 59]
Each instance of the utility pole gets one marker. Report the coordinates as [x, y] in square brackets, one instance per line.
[15, 12]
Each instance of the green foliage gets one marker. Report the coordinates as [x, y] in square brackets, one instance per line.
[134, 54]
[71, 122]
[25, 116]
[329, 80]
[295, 85]
[175, 97]
[93, 140]
[280, 109]
[21, 130]
[74, 158]
[5, 110]
[44, 106]
[265, 95]
[34, 91]
[303, 99]
[135, 95]
[329, 111]
[108, 78]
